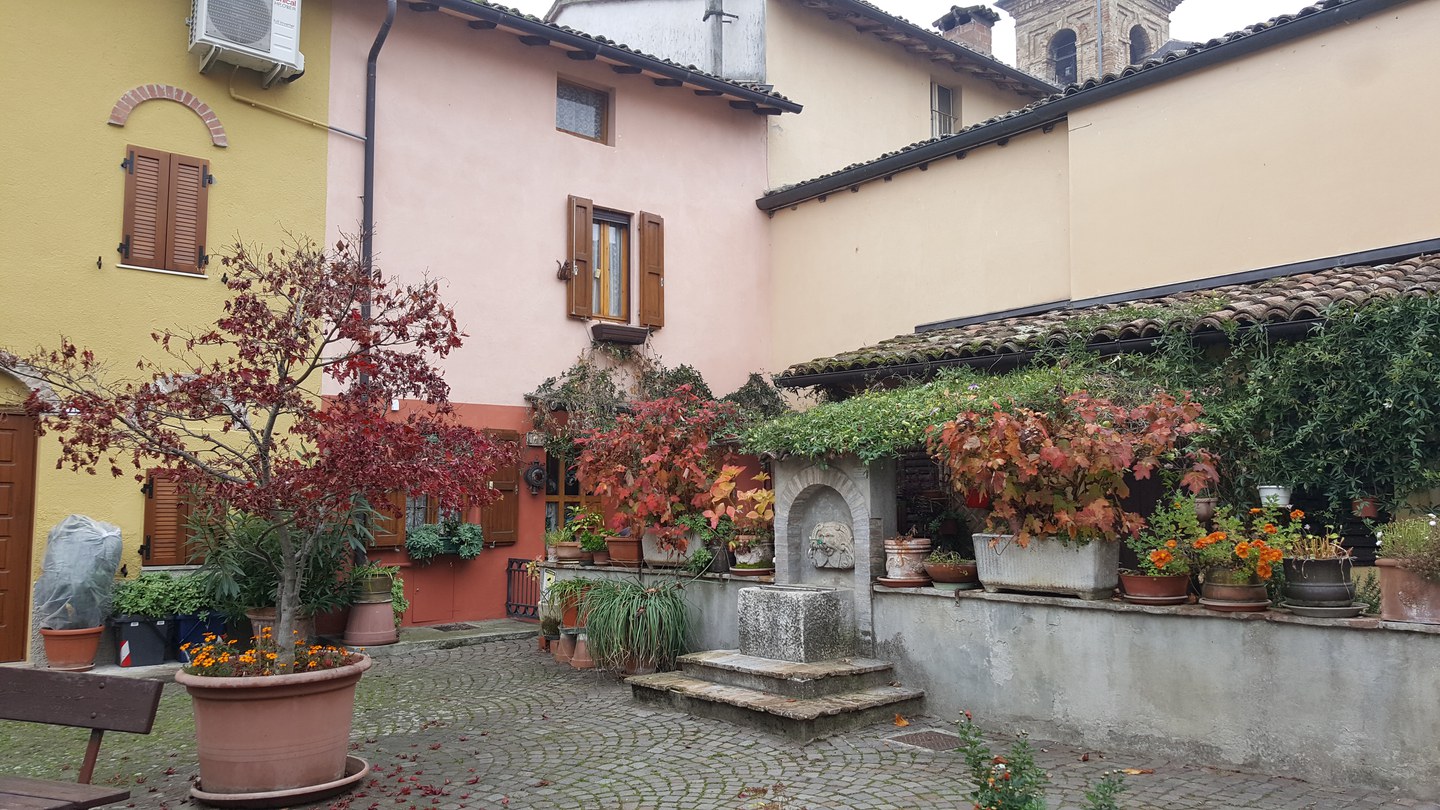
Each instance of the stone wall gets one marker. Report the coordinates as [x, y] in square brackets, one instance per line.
[1330, 701]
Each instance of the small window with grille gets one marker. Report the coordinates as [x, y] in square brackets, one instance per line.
[582, 111]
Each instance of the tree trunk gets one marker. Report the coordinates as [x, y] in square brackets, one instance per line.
[287, 599]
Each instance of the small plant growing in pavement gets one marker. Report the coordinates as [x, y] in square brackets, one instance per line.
[1013, 781]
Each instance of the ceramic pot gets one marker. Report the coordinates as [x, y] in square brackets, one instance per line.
[1275, 496]
[1225, 591]
[1365, 508]
[977, 499]
[262, 619]
[275, 732]
[375, 586]
[1405, 596]
[624, 551]
[71, 650]
[571, 616]
[371, 623]
[568, 553]
[1147, 589]
[963, 573]
[905, 557]
[755, 555]
[600, 557]
[1205, 508]
[1048, 565]
[1319, 583]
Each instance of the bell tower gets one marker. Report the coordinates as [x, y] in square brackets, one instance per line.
[1069, 41]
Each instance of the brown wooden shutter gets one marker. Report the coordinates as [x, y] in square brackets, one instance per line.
[185, 225]
[582, 258]
[389, 529]
[500, 519]
[167, 517]
[652, 270]
[147, 211]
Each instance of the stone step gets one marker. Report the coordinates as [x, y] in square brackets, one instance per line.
[787, 678]
[799, 719]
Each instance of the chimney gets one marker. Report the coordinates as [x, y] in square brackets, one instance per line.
[968, 26]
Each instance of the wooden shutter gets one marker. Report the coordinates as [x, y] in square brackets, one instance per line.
[389, 528]
[167, 517]
[582, 258]
[500, 519]
[652, 270]
[185, 225]
[147, 211]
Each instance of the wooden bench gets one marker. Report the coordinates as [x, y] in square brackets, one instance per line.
[100, 703]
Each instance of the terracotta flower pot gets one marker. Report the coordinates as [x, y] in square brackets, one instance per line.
[1365, 507]
[1147, 589]
[1226, 591]
[276, 732]
[905, 557]
[571, 616]
[964, 573]
[624, 551]
[371, 623]
[601, 557]
[1405, 596]
[568, 553]
[71, 650]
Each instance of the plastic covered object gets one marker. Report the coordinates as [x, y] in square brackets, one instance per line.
[78, 579]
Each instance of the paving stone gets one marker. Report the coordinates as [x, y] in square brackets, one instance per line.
[500, 726]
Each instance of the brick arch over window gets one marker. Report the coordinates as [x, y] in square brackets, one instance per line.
[120, 113]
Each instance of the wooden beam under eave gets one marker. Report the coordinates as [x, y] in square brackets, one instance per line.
[532, 40]
[628, 70]
[866, 26]
[744, 105]
[580, 56]
[481, 25]
[667, 82]
[765, 111]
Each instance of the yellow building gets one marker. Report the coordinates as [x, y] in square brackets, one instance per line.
[114, 137]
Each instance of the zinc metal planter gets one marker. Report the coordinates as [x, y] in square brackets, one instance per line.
[1089, 571]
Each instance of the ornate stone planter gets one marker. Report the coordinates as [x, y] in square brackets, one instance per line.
[1046, 565]
[905, 562]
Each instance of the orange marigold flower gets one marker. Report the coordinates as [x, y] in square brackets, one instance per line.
[1242, 549]
[1219, 536]
[1272, 555]
[1296, 514]
[1161, 558]
[1263, 569]
[1269, 528]
[1256, 510]
[1170, 543]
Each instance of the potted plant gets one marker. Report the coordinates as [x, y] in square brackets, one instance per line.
[751, 514]
[636, 627]
[588, 529]
[549, 631]
[1410, 570]
[951, 572]
[1318, 580]
[195, 615]
[231, 411]
[562, 540]
[905, 561]
[567, 597]
[375, 616]
[73, 592]
[655, 464]
[712, 543]
[1238, 558]
[1165, 549]
[450, 536]
[1056, 480]
[144, 619]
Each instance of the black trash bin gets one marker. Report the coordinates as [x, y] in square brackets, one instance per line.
[141, 641]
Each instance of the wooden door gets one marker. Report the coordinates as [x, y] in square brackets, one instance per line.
[17, 500]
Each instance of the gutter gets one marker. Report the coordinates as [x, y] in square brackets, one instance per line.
[612, 53]
[1049, 113]
[367, 216]
[1290, 330]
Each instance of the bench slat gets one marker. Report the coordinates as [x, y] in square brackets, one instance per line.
[77, 699]
[24, 794]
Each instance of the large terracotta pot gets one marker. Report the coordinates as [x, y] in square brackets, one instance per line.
[276, 732]
[71, 650]
[624, 551]
[571, 616]
[1147, 589]
[1406, 596]
[372, 623]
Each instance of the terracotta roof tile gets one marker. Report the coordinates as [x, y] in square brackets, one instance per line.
[1299, 297]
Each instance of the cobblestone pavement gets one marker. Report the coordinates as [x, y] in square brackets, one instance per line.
[500, 725]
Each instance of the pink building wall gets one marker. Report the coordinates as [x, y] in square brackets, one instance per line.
[472, 183]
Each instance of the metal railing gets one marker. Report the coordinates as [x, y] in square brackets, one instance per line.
[522, 592]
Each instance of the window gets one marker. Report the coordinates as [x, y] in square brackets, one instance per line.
[610, 298]
[165, 210]
[563, 492]
[418, 512]
[942, 110]
[599, 267]
[582, 111]
[1062, 57]
[1139, 45]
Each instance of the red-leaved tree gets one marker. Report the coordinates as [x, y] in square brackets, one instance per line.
[236, 412]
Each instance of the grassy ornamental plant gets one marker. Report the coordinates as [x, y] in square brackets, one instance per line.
[1414, 544]
[232, 410]
[1062, 473]
[634, 625]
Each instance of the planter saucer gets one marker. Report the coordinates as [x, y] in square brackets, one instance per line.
[751, 572]
[1349, 612]
[1226, 606]
[913, 582]
[356, 769]
[1155, 600]
[955, 586]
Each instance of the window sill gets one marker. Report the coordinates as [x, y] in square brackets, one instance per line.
[201, 276]
[618, 333]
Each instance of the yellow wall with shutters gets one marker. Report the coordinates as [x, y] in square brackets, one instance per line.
[61, 192]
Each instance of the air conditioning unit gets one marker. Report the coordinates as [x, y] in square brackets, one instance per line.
[263, 35]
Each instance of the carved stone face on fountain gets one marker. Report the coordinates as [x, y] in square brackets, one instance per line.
[832, 545]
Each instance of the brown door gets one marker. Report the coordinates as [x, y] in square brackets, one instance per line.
[17, 499]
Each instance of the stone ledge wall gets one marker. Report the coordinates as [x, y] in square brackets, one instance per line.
[1355, 701]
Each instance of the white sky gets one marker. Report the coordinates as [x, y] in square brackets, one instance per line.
[1196, 20]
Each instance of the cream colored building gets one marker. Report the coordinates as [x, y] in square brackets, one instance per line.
[870, 82]
[1304, 143]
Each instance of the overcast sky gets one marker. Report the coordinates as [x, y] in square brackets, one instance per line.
[1196, 20]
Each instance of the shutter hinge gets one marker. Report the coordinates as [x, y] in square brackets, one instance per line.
[206, 178]
[128, 164]
[148, 488]
[145, 548]
[202, 259]
[124, 247]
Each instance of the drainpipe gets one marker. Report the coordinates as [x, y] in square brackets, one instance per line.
[367, 216]
[1099, 39]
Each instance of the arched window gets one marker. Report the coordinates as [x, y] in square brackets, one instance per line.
[1062, 57]
[1139, 45]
